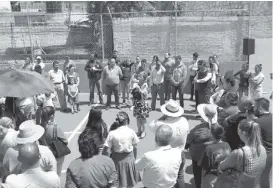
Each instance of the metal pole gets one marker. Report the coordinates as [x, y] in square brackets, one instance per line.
[249, 18]
[175, 27]
[102, 41]
[29, 32]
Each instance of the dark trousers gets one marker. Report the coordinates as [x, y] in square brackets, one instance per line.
[197, 173]
[178, 89]
[196, 98]
[92, 84]
[192, 86]
[109, 90]
[157, 89]
[167, 89]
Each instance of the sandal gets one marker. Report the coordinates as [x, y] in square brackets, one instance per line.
[142, 135]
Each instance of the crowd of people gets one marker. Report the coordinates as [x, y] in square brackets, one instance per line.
[230, 147]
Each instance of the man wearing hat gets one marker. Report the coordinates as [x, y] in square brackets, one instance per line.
[39, 62]
[33, 175]
[199, 137]
[172, 113]
[29, 132]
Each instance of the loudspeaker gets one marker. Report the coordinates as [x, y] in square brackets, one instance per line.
[248, 46]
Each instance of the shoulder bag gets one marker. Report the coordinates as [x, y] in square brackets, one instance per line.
[57, 146]
[234, 179]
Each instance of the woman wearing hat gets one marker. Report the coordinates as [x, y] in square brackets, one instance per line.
[256, 83]
[200, 137]
[172, 112]
[214, 154]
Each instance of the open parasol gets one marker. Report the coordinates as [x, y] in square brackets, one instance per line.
[23, 83]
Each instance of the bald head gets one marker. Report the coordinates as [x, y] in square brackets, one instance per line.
[29, 154]
[163, 135]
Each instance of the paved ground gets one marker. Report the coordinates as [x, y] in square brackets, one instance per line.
[73, 124]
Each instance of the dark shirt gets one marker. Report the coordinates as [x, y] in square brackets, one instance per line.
[205, 87]
[265, 122]
[244, 77]
[231, 131]
[214, 154]
[94, 172]
[198, 139]
[93, 74]
[126, 71]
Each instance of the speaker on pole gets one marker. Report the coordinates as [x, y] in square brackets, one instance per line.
[248, 46]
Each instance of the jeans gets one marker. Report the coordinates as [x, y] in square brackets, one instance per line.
[59, 88]
[192, 86]
[124, 87]
[92, 84]
[109, 90]
[167, 89]
[157, 89]
[178, 89]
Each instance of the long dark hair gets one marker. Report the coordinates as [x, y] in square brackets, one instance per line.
[88, 144]
[95, 122]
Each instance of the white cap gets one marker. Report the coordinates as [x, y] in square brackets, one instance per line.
[38, 57]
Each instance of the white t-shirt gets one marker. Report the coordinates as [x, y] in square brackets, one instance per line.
[180, 127]
[122, 139]
[10, 160]
[47, 101]
[34, 178]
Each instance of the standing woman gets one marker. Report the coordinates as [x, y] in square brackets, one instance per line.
[71, 74]
[97, 126]
[244, 76]
[48, 123]
[122, 142]
[256, 81]
[249, 159]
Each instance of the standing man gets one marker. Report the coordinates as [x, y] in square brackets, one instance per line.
[261, 109]
[178, 79]
[112, 74]
[125, 80]
[136, 65]
[167, 63]
[115, 56]
[94, 69]
[203, 84]
[193, 71]
[67, 62]
[156, 83]
[39, 62]
[57, 77]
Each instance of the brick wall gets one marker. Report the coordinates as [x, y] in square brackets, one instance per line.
[209, 32]
[147, 36]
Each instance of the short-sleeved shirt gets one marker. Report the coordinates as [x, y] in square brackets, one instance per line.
[56, 77]
[94, 172]
[112, 75]
[122, 139]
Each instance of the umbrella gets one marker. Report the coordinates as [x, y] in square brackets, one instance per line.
[23, 83]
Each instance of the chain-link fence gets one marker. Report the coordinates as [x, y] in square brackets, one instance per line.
[149, 33]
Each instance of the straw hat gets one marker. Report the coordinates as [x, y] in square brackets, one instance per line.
[207, 111]
[172, 109]
[29, 132]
